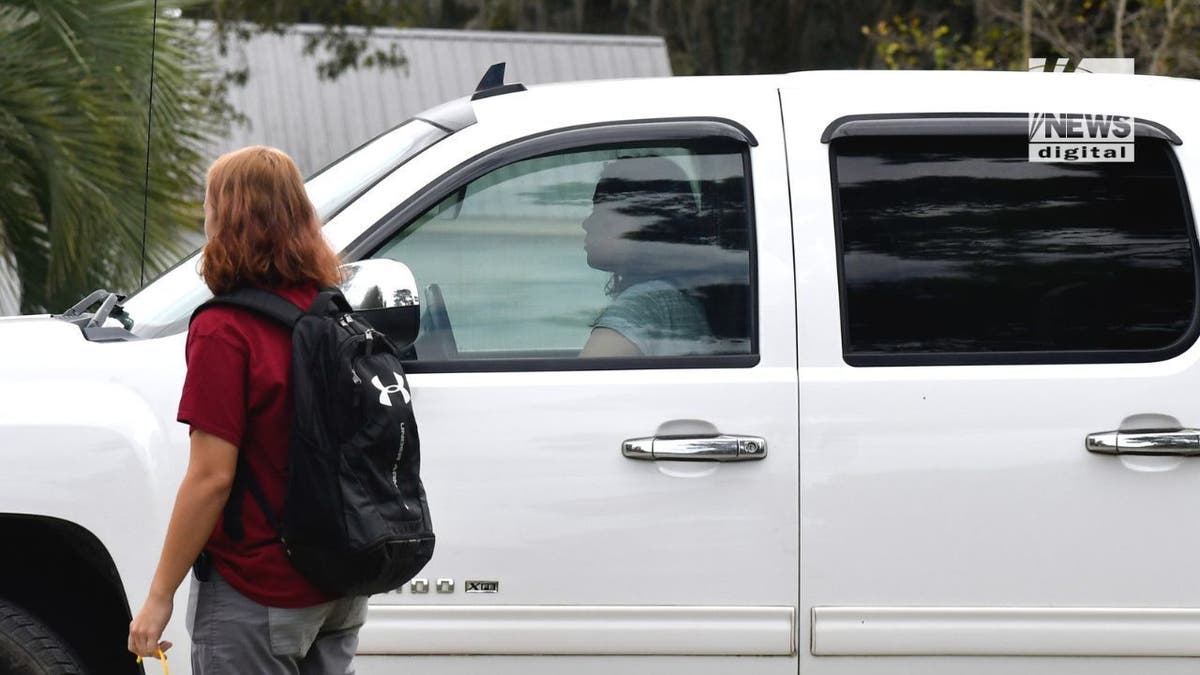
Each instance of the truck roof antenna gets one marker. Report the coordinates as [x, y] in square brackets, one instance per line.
[492, 83]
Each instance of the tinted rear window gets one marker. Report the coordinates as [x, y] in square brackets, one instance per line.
[960, 250]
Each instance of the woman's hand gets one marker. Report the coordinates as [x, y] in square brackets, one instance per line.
[202, 495]
[146, 629]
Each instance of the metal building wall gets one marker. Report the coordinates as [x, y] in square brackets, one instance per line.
[10, 291]
[317, 121]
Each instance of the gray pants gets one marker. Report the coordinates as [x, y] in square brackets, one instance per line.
[232, 634]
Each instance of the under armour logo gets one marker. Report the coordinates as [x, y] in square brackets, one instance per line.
[386, 391]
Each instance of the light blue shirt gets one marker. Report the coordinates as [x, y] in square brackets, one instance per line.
[659, 319]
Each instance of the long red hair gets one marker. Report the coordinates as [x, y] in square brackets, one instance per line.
[264, 230]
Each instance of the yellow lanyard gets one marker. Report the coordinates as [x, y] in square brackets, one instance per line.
[162, 657]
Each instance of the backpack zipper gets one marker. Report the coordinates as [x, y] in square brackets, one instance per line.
[396, 463]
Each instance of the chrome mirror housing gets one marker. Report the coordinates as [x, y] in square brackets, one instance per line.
[384, 293]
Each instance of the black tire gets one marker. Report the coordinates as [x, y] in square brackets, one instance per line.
[28, 647]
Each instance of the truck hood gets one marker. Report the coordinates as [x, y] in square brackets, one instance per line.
[38, 348]
[23, 337]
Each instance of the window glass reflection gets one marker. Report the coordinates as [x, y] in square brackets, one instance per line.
[955, 245]
[620, 252]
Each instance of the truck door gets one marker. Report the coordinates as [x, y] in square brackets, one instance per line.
[622, 498]
[996, 344]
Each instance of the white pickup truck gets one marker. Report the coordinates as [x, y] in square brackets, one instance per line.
[890, 396]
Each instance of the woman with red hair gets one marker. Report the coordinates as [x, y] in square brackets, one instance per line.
[249, 610]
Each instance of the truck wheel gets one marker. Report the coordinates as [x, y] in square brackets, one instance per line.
[28, 647]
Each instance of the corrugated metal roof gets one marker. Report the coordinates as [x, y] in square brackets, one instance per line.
[316, 121]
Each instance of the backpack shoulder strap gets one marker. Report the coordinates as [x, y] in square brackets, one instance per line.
[274, 307]
[328, 300]
[263, 303]
[244, 481]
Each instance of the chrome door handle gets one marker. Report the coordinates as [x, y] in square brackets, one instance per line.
[696, 448]
[1178, 442]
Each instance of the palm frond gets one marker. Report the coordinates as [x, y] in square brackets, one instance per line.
[74, 100]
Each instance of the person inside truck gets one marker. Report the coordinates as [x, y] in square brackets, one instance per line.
[644, 224]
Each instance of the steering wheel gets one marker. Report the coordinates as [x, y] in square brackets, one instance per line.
[435, 342]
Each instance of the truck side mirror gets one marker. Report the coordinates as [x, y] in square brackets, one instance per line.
[384, 293]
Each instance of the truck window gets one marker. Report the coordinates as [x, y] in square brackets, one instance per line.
[958, 250]
[648, 241]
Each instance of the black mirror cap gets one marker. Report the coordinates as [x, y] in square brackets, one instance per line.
[399, 324]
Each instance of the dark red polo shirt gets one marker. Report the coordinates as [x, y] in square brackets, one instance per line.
[238, 387]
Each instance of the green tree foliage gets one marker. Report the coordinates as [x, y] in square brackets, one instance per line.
[708, 37]
[1162, 36]
[705, 37]
[343, 41]
[917, 42]
[74, 98]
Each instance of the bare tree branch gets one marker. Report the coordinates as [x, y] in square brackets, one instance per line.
[1119, 30]
[1158, 60]
[1026, 29]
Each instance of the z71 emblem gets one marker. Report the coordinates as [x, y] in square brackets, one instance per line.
[474, 586]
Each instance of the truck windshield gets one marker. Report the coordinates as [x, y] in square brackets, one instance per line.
[163, 306]
[331, 189]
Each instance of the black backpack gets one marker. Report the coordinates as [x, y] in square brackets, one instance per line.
[355, 520]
